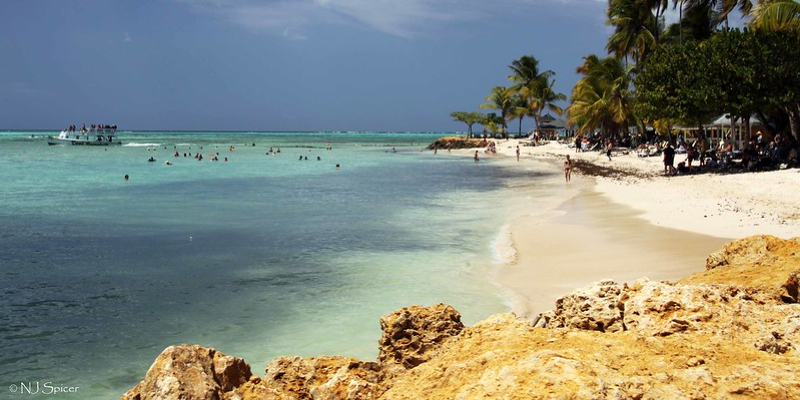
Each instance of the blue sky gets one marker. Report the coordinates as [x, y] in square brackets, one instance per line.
[277, 65]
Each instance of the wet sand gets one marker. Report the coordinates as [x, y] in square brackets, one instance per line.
[589, 238]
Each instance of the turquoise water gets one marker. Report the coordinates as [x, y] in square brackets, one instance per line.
[261, 256]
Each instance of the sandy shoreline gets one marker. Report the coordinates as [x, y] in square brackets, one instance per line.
[637, 224]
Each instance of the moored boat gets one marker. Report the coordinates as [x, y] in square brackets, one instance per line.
[94, 136]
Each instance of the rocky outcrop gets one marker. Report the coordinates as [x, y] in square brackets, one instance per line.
[504, 358]
[764, 262]
[736, 335]
[733, 313]
[412, 335]
[595, 308]
[456, 142]
[327, 377]
[190, 372]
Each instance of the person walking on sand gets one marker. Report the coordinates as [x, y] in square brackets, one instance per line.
[476, 156]
[517, 153]
[567, 168]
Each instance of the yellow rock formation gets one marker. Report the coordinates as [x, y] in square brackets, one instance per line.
[732, 331]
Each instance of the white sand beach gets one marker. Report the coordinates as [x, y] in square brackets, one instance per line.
[638, 224]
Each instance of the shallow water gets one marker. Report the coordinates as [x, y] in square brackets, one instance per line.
[261, 256]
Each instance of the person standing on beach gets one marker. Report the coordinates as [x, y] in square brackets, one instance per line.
[567, 168]
[703, 148]
[476, 156]
[669, 160]
[517, 153]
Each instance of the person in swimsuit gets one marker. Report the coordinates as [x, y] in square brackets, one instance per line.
[567, 169]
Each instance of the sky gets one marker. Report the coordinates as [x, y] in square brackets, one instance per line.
[278, 65]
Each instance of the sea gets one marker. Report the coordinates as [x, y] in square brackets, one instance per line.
[291, 244]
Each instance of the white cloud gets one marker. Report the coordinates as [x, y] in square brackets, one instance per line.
[400, 18]
[290, 18]
[291, 35]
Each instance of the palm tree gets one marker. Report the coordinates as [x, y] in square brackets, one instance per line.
[726, 6]
[720, 9]
[602, 97]
[534, 88]
[697, 23]
[546, 100]
[776, 15]
[519, 110]
[526, 71]
[636, 27]
[499, 100]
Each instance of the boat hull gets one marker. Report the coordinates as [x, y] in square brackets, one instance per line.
[54, 141]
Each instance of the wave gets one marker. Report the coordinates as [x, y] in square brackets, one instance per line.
[142, 144]
[504, 254]
[503, 251]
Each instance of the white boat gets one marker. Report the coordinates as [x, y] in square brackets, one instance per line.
[99, 136]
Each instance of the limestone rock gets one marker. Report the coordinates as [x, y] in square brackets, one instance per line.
[326, 378]
[230, 372]
[756, 261]
[190, 372]
[413, 334]
[750, 251]
[256, 389]
[505, 358]
[743, 315]
[456, 142]
[731, 331]
[595, 307]
[792, 287]
[774, 343]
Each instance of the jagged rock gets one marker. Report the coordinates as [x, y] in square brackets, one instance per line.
[731, 331]
[456, 142]
[230, 372]
[595, 308]
[754, 261]
[505, 358]
[413, 334]
[736, 314]
[774, 343]
[190, 372]
[256, 389]
[792, 287]
[753, 250]
[326, 378]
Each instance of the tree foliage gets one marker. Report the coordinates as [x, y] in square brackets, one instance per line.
[776, 15]
[469, 118]
[533, 89]
[735, 72]
[637, 27]
[500, 100]
[602, 97]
